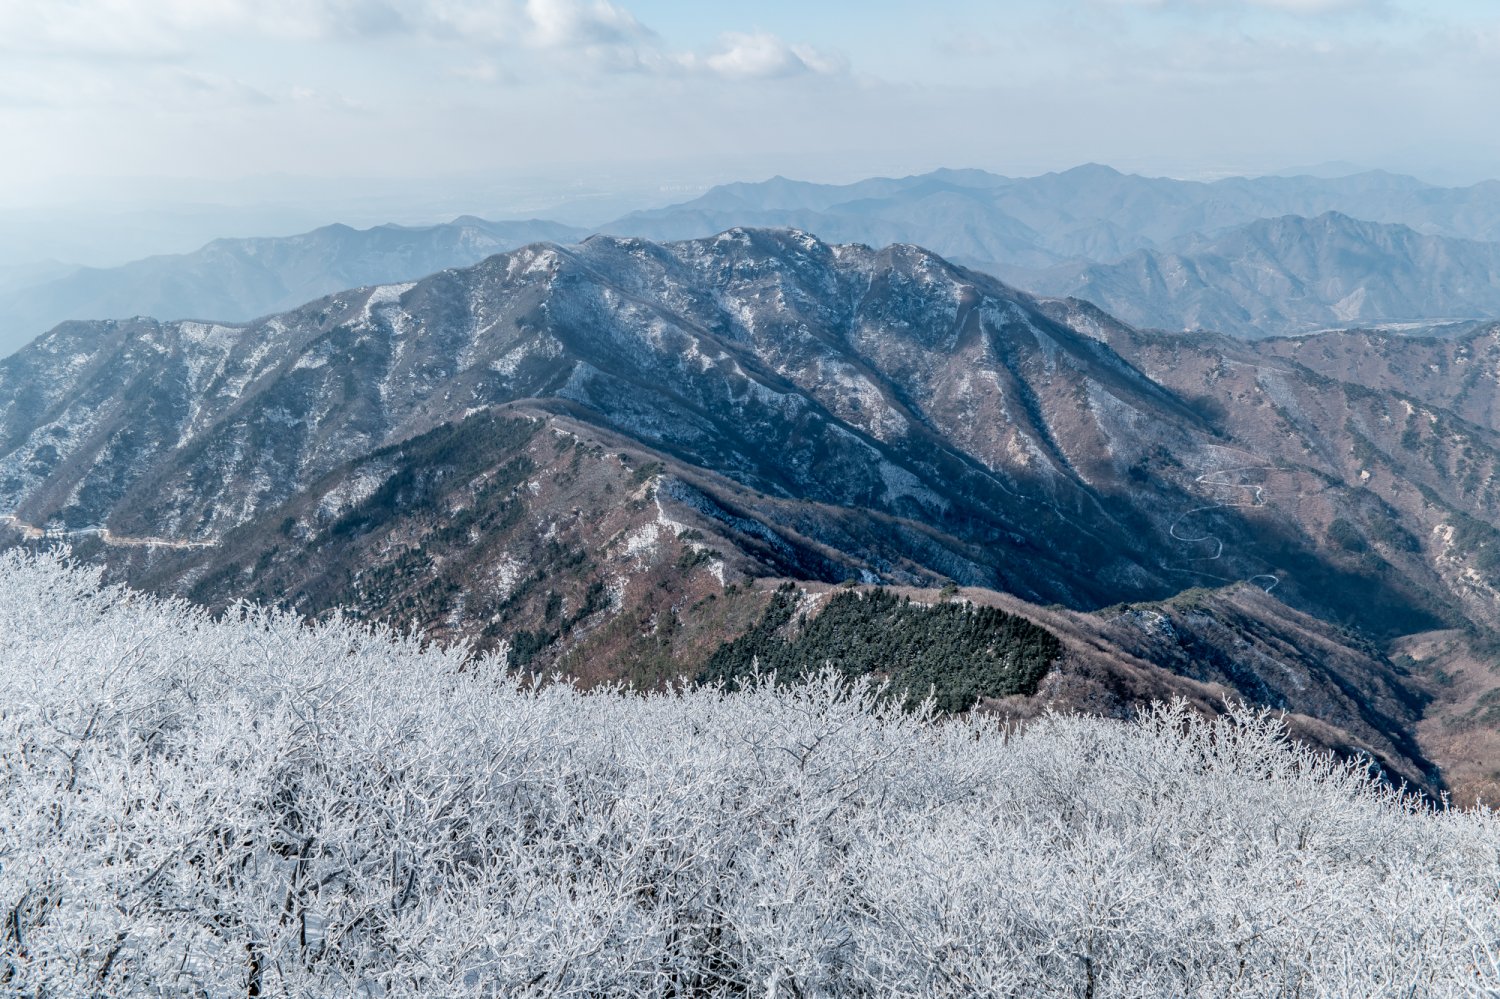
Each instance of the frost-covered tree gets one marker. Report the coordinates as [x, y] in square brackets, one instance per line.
[250, 806]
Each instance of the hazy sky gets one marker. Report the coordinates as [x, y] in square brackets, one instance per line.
[643, 93]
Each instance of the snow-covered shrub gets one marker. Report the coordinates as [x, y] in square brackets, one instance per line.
[251, 806]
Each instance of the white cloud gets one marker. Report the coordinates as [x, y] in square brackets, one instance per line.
[761, 55]
[147, 27]
[166, 28]
[612, 40]
[220, 89]
[606, 36]
[570, 23]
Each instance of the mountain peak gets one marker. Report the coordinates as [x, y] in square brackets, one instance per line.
[1090, 171]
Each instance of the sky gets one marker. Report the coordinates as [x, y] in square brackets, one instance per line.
[286, 112]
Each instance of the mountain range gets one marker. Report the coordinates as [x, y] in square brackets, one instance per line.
[1291, 275]
[1222, 256]
[610, 455]
[1089, 211]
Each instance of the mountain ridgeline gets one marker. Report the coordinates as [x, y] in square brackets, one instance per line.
[1248, 256]
[239, 279]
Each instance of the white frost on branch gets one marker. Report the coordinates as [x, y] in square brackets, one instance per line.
[254, 806]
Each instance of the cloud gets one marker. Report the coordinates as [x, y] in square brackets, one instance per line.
[762, 55]
[220, 89]
[573, 23]
[158, 29]
[612, 40]
[480, 72]
[605, 36]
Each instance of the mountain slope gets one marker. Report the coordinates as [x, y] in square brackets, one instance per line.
[951, 212]
[1292, 274]
[831, 375]
[1459, 373]
[1391, 481]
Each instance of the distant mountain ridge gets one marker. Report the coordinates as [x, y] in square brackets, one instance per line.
[1030, 231]
[239, 279]
[1092, 210]
[1292, 275]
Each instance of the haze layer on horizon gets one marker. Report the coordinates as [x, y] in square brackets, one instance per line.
[289, 113]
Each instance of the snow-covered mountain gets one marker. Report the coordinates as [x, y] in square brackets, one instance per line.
[980, 440]
[244, 804]
[888, 380]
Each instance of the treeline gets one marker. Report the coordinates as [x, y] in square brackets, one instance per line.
[955, 651]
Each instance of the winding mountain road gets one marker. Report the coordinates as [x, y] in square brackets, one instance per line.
[1257, 499]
